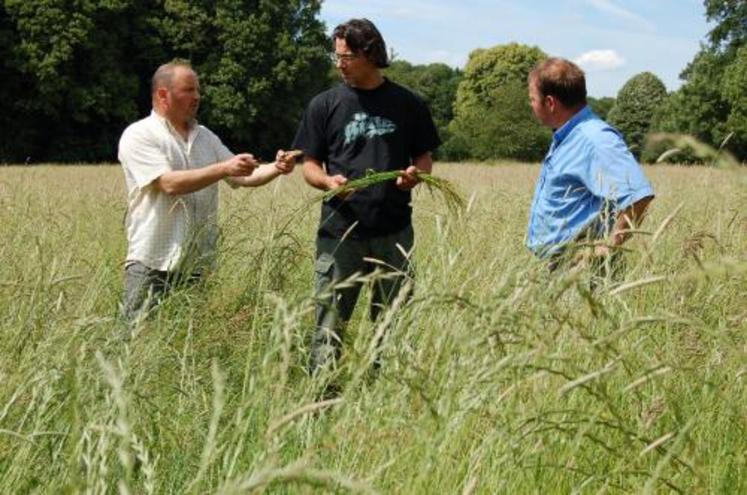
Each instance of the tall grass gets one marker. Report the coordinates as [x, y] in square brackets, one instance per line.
[498, 377]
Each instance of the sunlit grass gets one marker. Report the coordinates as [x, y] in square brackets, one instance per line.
[497, 377]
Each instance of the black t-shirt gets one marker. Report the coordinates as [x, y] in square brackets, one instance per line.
[354, 130]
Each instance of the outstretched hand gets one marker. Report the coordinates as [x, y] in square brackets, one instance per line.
[285, 161]
[239, 165]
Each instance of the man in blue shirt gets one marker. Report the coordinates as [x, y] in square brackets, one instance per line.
[590, 187]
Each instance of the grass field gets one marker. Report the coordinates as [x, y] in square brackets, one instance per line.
[497, 377]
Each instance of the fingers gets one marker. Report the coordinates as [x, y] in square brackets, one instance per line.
[240, 165]
[247, 159]
[408, 179]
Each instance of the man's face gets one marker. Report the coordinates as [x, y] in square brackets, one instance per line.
[354, 68]
[183, 98]
[539, 104]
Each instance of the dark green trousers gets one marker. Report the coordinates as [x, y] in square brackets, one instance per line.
[338, 260]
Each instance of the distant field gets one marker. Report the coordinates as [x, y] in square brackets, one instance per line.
[497, 377]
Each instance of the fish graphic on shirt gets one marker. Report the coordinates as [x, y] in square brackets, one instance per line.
[366, 126]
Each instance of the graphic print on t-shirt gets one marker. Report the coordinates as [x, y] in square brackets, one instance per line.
[363, 125]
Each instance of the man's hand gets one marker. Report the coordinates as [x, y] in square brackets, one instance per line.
[335, 181]
[408, 179]
[285, 161]
[240, 165]
[587, 254]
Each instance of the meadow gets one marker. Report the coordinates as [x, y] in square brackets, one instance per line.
[497, 376]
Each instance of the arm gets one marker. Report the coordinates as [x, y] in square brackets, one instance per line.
[283, 165]
[177, 182]
[317, 177]
[628, 219]
[408, 179]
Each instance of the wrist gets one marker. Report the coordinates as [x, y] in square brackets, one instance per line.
[224, 169]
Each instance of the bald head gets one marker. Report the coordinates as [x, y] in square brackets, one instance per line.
[165, 74]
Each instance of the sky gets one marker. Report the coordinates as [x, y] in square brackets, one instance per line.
[612, 40]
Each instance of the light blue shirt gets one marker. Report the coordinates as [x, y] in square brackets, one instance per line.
[587, 176]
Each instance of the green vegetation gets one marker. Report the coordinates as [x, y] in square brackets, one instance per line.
[74, 74]
[710, 104]
[497, 377]
[637, 102]
[492, 115]
[601, 106]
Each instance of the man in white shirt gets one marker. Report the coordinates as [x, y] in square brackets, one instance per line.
[172, 167]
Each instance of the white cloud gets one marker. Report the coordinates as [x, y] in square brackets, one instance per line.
[600, 60]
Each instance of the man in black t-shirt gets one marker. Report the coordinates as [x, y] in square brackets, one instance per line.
[367, 123]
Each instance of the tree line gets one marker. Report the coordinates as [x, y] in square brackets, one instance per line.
[75, 73]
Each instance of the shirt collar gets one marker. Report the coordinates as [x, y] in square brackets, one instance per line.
[192, 125]
[560, 134]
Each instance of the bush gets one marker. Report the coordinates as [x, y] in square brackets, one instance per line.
[635, 107]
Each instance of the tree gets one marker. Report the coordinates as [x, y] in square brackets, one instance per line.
[75, 94]
[636, 104]
[710, 105]
[698, 108]
[76, 73]
[503, 126]
[730, 17]
[492, 105]
[601, 106]
[260, 63]
[733, 91]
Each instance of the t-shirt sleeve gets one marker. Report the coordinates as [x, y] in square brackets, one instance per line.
[142, 157]
[614, 174]
[311, 137]
[425, 136]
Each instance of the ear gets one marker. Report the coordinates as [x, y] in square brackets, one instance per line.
[551, 102]
[162, 94]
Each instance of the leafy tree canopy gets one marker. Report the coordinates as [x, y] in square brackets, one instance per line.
[76, 73]
[637, 102]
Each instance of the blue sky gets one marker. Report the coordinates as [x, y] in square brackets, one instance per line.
[611, 39]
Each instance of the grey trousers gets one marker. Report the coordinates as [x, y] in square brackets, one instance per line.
[338, 260]
[146, 287]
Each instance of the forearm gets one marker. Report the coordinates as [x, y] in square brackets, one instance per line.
[628, 220]
[424, 163]
[261, 176]
[186, 181]
[315, 175]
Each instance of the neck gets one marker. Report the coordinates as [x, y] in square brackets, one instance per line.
[182, 127]
[373, 81]
[566, 115]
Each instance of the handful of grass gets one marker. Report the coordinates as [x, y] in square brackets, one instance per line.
[454, 201]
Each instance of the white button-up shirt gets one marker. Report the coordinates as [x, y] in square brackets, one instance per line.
[169, 232]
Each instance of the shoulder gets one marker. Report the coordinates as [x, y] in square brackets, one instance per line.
[597, 133]
[404, 92]
[206, 133]
[143, 131]
[325, 98]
